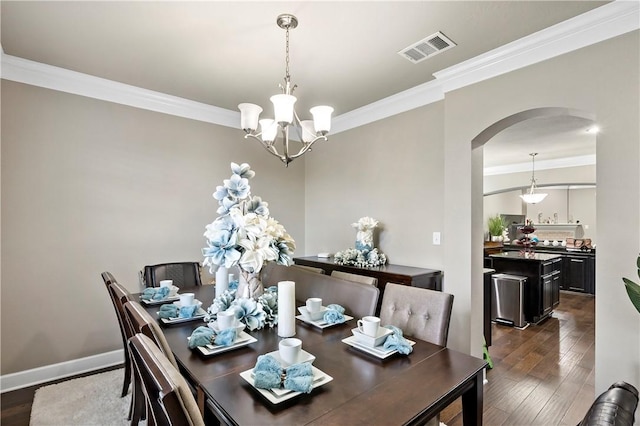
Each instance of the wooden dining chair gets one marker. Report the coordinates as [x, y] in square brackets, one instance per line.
[125, 330]
[418, 312]
[183, 274]
[141, 321]
[120, 296]
[355, 278]
[168, 398]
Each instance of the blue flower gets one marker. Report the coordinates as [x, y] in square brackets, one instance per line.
[221, 192]
[237, 186]
[226, 204]
[250, 312]
[257, 206]
[242, 170]
[221, 249]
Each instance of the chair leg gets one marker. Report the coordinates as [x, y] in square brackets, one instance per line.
[127, 374]
[137, 408]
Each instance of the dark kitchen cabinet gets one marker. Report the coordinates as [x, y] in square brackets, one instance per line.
[579, 273]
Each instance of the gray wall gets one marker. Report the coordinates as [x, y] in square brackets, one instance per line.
[433, 179]
[89, 186]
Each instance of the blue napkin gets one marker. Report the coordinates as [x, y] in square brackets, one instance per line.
[203, 336]
[155, 293]
[397, 342]
[187, 311]
[269, 374]
[334, 314]
[168, 311]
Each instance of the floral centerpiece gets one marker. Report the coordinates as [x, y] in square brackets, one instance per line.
[255, 314]
[364, 255]
[244, 235]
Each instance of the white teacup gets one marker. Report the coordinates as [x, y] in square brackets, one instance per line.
[314, 304]
[289, 350]
[166, 283]
[187, 299]
[369, 326]
[226, 320]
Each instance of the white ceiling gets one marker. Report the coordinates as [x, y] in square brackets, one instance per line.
[343, 54]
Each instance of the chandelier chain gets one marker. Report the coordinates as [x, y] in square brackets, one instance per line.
[287, 77]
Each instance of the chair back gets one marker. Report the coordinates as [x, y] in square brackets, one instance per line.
[169, 399]
[355, 278]
[108, 278]
[310, 268]
[141, 321]
[418, 312]
[358, 299]
[119, 296]
[183, 274]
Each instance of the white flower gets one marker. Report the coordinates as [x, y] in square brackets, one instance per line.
[365, 223]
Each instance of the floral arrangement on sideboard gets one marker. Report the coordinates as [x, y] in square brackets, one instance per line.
[364, 255]
[244, 235]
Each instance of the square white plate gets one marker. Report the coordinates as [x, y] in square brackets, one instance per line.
[303, 357]
[321, 323]
[243, 339]
[383, 332]
[200, 313]
[319, 378]
[160, 302]
[313, 316]
[378, 351]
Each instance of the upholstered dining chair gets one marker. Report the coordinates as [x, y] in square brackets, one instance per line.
[125, 330]
[418, 312]
[355, 278]
[168, 397]
[183, 274]
[310, 268]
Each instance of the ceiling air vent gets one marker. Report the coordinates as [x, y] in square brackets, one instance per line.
[427, 47]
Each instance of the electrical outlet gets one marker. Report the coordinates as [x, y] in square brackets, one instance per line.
[436, 238]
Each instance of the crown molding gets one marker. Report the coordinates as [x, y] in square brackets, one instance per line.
[599, 24]
[607, 21]
[558, 163]
[38, 74]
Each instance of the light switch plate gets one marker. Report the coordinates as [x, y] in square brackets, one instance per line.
[436, 238]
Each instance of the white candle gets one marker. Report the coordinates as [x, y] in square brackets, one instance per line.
[222, 280]
[286, 308]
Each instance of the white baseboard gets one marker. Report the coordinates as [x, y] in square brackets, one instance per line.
[22, 379]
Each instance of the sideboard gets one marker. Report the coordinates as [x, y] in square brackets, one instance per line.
[398, 274]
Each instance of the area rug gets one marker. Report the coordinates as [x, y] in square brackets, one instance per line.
[90, 400]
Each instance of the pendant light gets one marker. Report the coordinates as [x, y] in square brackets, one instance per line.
[532, 197]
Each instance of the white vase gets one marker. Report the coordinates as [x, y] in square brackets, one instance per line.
[222, 280]
[249, 285]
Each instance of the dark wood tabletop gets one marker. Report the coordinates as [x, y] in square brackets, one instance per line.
[365, 390]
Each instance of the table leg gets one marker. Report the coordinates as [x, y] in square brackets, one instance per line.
[472, 402]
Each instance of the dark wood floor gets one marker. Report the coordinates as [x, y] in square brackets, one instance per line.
[543, 375]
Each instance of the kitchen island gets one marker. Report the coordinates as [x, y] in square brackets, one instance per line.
[543, 272]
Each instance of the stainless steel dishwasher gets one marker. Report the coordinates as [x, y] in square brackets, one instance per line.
[507, 300]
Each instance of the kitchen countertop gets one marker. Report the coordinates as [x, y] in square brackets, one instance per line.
[532, 256]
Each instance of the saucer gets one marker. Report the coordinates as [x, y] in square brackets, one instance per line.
[303, 357]
[362, 338]
[313, 316]
[214, 325]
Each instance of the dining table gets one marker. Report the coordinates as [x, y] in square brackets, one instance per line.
[364, 388]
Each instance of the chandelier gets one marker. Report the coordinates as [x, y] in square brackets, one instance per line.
[286, 118]
[531, 197]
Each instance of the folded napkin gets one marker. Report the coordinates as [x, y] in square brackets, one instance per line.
[155, 293]
[203, 336]
[334, 314]
[187, 311]
[168, 311]
[397, 342]
[268, 374]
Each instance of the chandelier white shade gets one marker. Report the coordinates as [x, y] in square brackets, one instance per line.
[532, 197]
[285, 116]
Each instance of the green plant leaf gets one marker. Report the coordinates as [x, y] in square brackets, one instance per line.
[633, 290]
